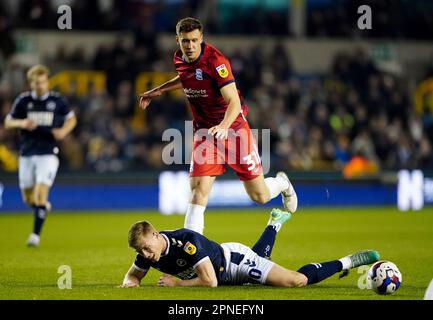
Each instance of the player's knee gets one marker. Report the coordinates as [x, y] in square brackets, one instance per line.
[28, 199]
[259, 198]
[296, 280]
[40, 203]
[301, 280]
[38, 200]
[199, 195]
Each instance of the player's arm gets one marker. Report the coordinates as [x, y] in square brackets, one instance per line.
[17, 118]
[133, 277]
[231, 96]
[206, 277]
[146, 97]
[68, 126]
[25, 124]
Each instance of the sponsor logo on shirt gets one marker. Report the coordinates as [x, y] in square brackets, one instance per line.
[190, 248]
[198, 74]
[41, 118]
[191, 93]
[187, 274]
[180, 262]
[222, 71]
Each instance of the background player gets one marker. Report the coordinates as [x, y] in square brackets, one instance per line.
[195, 260]
[205, 75]
[42, 117]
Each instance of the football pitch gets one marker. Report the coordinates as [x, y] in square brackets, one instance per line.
[94, 246]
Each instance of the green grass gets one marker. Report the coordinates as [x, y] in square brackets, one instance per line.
[94, 245]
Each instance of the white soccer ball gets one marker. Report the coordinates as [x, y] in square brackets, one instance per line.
[384, 277]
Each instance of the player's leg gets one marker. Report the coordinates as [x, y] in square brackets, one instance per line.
[41, 193]
[28, 196]
[316, 272]
[261, 190]
[265, 244]
[206, 164]
[27, 178]
[243, 148]
[279, 276]
[200, 189]
[40, 210]
[46, 170]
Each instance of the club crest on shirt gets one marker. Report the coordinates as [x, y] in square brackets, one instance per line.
[51, 105]
[190, 248]
[199, 74]
[222, 71]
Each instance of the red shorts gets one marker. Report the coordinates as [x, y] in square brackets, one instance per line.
[239, 151]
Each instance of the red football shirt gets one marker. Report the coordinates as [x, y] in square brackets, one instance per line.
[202, 80]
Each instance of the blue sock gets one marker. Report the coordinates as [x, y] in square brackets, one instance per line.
[40, 213]
[316, 272]
[264, 245]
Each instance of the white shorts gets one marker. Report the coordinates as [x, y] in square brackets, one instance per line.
[244, 265]
[38, 169]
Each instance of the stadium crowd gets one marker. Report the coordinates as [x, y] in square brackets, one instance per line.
[317, 122]
[354, 118]
[324, 18]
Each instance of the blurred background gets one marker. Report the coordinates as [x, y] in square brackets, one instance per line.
[348, 109]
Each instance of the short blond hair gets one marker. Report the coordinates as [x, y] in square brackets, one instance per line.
[137, 230]
[37, 70]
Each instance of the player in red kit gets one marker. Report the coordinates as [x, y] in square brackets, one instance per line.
[221, 132]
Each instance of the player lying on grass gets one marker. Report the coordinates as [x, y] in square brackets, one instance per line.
[194, 260]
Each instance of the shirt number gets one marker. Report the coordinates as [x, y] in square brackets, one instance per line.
[252, 160]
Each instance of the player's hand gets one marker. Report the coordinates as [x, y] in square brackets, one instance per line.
[167, 281]
[29, 124]
[58, 133]
[129, 285]
[220, 131]
[146, 98]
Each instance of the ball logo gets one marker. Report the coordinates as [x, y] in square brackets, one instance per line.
[222, 71]
[190, 248]
[180, 262]
[198, 74]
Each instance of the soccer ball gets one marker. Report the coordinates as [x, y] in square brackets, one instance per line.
[384, 277]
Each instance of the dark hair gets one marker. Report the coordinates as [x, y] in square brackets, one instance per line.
[188, 25]
[137, 230]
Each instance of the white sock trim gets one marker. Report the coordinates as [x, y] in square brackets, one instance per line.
[347, 263]
[194, 219]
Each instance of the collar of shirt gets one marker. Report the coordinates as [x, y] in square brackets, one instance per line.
[168, 245]
[42, 98]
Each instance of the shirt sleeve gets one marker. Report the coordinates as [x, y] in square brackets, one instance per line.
[64, 109]
[196, 250]
[221, 70]
[141, 263]
[18, 110]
